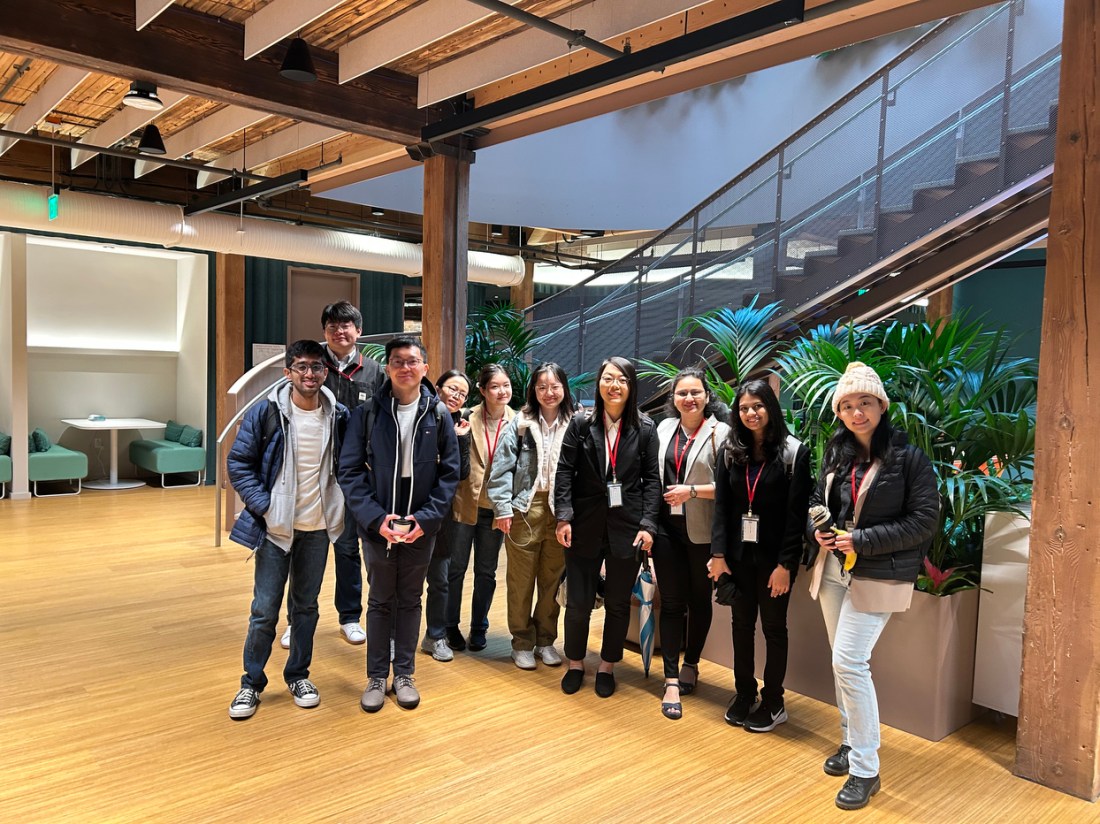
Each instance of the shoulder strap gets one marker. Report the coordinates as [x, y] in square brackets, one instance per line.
[270, 424]
[790, 455]
[440, 411]
[372, 414]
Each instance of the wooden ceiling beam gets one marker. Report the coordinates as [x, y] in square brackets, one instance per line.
[201, 55]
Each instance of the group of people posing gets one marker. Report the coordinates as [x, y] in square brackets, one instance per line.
[428, 486]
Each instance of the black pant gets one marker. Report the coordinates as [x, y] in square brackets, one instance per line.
[754, 596]
[396, 582]
[686, 591]
[581, 576]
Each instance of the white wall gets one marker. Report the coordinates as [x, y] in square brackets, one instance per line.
[191, 364]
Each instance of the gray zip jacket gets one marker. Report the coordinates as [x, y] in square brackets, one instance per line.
[516, 465]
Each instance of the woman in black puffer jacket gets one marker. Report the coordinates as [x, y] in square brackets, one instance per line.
[881, 494]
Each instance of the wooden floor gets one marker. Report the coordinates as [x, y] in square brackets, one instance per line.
[122, 633]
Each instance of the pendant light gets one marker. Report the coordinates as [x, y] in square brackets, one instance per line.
[298, 63]
[143, 95]
[151, 141]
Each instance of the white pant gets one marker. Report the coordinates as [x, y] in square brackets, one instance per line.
[852, 635]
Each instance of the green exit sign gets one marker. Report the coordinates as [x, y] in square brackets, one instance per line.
[52, 202]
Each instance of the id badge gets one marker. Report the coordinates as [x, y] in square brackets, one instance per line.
[614, 495]
[849, 526]
[750, 529]
[362, 396]
[676, 509]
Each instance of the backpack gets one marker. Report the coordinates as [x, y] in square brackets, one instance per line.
[584, 424]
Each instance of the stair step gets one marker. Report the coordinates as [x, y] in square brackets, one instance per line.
[851, 240]
[969, 171]
[1021, 141]
[923, 197]
[895, 216]
[818, 262]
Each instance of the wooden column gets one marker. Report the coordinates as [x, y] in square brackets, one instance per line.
[229, 329]
[446, 242]
[1058, 739]
[941, 305]
[523, 295]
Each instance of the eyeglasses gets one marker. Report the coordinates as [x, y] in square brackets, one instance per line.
[461, 394]
[546, 389]
[411, 363]
[690, 393]
[313, 368]
[607, 380]
[340, 327]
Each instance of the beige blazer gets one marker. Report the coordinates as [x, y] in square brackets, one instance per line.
[701, 459]
[471, 492]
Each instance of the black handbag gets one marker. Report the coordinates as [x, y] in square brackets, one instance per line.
[725, 589]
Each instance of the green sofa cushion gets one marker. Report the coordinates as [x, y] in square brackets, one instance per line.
[38, 441]
[190, 437]
[173, 430]
[57, 464]
[5, 444]
[5, 469]
[164, 457]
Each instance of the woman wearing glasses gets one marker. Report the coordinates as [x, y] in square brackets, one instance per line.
[606, 496]
[473, 513]
[454, 388]
[762, 485]
[689, 439]
[521, 488]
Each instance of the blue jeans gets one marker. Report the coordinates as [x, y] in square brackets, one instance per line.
[435, 601]
[486, 543]
[304, 566]
[853, 635]
[348, 599]
[396, 581]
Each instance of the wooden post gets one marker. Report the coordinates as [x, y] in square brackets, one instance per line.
[229, 330]
[941, 305]
[446, 241]
[523, 295]
[1058, 739]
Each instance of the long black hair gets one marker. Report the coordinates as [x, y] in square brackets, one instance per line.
[741, 442]
[711, 405]
[532, 407]
[630, 411]
[843, 448]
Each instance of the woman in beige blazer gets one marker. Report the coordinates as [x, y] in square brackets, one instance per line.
[689, 440]
[473, 513]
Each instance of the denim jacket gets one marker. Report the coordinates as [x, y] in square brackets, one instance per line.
[516, 465]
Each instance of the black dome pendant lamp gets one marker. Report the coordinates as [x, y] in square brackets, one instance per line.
[298, 63]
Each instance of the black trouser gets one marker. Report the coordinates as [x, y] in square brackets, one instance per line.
[581, 577]
[686, 592]
[753, 597]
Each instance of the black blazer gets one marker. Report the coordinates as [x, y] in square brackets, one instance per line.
[781, 505]
[580, 487]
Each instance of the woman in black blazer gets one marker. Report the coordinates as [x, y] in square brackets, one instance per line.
[606, 496]
[762, 491]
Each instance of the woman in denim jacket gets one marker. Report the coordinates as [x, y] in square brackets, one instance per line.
[521, 490]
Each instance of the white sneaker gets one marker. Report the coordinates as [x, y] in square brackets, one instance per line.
[437, 648]
[284, 642]
[353, 632]
[549, 656]
[524, 658]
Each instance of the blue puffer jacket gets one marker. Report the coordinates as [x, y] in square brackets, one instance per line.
[254, 474]
[370, 488]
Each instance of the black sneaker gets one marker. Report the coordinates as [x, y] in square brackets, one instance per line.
[305, 694]
[455, 640]
[763, 719]
[837, 763]
[244, 705]
[478, 641]
[739, 709]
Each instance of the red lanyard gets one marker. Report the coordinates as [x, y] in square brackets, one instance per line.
[492, 448]
[677, 455]
[751, 490]
[856, 492]
[348, 375]
[613, 451]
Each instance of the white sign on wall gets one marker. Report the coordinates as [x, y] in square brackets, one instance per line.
[263, 351]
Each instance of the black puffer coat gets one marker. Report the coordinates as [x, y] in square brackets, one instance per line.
[899, 516]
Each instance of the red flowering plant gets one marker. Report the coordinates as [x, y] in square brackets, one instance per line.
[937, 581]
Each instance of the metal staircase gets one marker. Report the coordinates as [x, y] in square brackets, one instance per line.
[934, 166]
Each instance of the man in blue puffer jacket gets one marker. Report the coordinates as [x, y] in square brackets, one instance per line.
[399, 468]
[283, 465]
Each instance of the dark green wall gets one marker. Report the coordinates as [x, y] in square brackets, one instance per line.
[1009, 294]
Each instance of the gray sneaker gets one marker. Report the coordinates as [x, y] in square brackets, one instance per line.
[407, 696]
[374, 696]
[437, 648]
[549, 656]
[524, 658]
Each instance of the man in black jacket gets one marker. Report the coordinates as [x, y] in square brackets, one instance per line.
[399, 470]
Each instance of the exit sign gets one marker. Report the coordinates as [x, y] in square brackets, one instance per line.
[52, 203]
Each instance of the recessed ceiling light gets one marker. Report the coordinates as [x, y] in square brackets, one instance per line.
[143, 95]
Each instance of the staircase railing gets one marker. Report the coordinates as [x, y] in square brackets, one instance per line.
[962, 117]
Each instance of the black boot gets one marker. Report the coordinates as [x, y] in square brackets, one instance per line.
[837, 763]
[856, 792]
[455, 640]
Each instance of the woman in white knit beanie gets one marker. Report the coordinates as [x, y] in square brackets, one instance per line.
[881, 494]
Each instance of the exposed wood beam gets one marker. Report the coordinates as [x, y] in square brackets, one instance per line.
[280, 18]
[59, 85]
[201, 55]
[402, 35]
[220, 124]
[446, 245]
[601, 20]
[146, 11]
[126, 121]
[288, 141]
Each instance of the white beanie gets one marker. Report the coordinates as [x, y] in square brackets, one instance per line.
[859, 379]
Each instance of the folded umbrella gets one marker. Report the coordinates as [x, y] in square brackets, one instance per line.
[644, 589]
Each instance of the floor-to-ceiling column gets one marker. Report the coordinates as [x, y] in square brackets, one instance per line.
[13, 384]
[446, 241]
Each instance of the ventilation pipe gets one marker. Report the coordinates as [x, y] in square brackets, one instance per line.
[112, 218]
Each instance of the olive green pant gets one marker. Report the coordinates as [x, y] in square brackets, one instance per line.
[535, 561]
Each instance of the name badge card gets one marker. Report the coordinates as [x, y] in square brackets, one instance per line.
[676, 509]
[614, 495]
[750, 529]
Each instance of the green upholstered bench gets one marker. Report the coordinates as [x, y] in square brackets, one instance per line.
[57, 464]
[5, 474]
[164, 457]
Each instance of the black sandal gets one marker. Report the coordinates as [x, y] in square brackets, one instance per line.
[688, 687]
[672, 709]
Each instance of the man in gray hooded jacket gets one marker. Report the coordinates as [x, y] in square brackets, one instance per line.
[283, 464]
